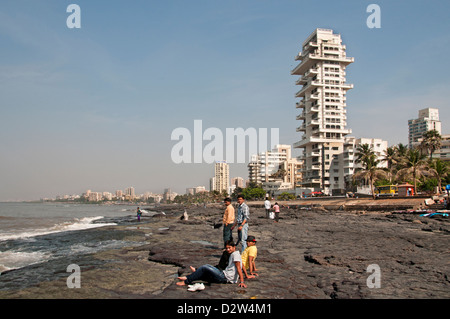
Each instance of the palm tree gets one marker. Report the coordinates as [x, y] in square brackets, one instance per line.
[415, 166]
[400, 154]
[370, 171]
[391, 158]
[440, 170]
[363, 152]
[431, 142]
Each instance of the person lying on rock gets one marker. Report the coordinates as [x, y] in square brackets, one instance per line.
[231, 274]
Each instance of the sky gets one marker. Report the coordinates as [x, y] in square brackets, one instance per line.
[95, 107]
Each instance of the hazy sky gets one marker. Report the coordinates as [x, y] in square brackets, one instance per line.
[95, 107]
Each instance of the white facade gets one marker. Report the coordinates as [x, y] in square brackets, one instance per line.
[221, 180]
[323, 109]
[263, 166]
[348, 163]
[428, 120]
[444, 152]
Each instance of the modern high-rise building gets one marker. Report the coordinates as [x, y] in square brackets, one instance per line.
[238, 182]
[428, 120]
[130, 192]
[221, 181]
[323, 108]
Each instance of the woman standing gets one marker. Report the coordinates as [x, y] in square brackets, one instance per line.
[276, 209]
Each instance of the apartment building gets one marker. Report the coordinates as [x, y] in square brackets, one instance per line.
[347, 163]
[444, 151]
[322, 75]
[275, 170]
[221, 180]
[428, 120]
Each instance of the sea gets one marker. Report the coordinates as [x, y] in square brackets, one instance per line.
[32, 233]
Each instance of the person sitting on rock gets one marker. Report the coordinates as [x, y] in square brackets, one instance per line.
[248, 258]
[232, 273]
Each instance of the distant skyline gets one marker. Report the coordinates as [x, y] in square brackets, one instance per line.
[94, 108]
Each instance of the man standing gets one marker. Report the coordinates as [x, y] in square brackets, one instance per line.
[228, 221]
[267, 206]
[243, 216]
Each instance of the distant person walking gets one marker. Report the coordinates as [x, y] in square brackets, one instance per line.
[267, 206]
[243, 215]
[276, 209]
[228, 221]
[139, 214]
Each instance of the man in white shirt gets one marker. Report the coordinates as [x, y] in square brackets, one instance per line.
[267, 206]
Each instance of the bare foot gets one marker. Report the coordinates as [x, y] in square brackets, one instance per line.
[181, 283]
[192, 268]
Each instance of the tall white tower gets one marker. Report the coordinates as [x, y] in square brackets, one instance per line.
[221, 176]
[323, 109]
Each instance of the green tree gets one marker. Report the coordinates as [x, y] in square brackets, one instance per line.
[391, 158]
[253, 193]
[439, 170]
[286, 196]
[431, 142]
[415, 167]
[363, 153]
[370, 172]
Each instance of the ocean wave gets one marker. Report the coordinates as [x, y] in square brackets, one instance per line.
[17, 259]
[75, 224]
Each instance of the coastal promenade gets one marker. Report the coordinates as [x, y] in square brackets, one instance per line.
[320, 249]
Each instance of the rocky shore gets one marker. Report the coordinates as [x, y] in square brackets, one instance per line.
[318, 250]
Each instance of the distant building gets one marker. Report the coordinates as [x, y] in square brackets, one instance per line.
[238, 182]
[221, 181]
[129, 193]
[345, 165]
[169, 195]
[95, 197]
[275, 170]
[428, 120]
[444, 152]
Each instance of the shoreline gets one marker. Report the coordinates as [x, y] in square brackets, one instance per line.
[309, 254]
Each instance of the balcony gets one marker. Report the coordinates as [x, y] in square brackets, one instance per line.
[330, 57]
[303, 66]
[314, 122]
[304, 89]
[312, 139]
[300, 105]
[314, 96]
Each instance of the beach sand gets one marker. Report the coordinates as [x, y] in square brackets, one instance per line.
[321, 252]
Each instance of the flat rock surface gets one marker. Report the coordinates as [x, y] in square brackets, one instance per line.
[310, 253]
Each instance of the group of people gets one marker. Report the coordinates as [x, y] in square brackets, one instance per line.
[276, 210]
[233, 265]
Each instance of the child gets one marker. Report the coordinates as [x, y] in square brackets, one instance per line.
[248, 258]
